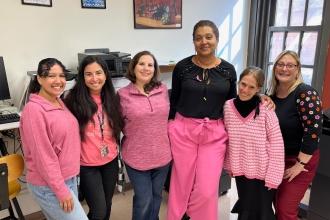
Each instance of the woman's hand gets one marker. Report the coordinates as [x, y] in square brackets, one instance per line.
[67, 204]
[294, 171]
[268, 102]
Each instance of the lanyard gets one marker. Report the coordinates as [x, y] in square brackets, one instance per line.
[101, 123]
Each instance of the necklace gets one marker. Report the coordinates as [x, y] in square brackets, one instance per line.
[213, 63]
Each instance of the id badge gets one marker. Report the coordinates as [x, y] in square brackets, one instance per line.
[104, 150]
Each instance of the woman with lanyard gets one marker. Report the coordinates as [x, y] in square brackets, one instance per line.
[94, 103]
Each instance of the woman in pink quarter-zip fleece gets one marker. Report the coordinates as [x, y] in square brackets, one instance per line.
[146, 147]
[51, 145]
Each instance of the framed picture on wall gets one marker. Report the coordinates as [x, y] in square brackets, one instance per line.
[99, 4]
[157, 14]
[46, 3]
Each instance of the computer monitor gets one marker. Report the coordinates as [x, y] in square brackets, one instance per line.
[4, 89]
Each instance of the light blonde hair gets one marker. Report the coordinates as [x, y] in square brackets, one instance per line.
[274, 82]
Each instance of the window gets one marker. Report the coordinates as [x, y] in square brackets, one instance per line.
[296, 25]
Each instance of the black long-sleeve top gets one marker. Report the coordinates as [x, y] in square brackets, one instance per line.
[300, 119]
[197, 97]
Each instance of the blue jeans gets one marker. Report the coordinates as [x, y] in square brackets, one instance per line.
[148, 186]
[50, 205]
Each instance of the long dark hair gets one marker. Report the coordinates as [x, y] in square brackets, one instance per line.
[82, 105]
[43, 70]
[154, 82]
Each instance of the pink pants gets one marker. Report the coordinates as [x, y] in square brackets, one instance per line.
[198, 148]
[289, 194]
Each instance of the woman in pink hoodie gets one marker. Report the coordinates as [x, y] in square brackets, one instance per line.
[51, 144]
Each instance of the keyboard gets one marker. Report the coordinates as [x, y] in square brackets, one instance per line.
[8, 118]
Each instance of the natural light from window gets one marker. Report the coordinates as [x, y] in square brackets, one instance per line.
[230, 42]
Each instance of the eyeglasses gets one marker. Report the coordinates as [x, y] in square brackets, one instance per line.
[289, 66]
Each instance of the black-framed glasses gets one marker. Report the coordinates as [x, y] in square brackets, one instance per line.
[289, 66]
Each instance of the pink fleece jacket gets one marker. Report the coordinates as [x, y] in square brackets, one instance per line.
[145, 143]
[51, 144]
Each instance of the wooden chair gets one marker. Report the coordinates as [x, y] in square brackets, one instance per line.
[15, 166]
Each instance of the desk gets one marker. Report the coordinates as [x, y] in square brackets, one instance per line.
[9, 126]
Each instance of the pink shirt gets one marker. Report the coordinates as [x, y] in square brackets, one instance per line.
[92, 144]
[255, 148]
[51, 144]
[145, 143]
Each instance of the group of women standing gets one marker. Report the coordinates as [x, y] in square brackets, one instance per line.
[208, 124]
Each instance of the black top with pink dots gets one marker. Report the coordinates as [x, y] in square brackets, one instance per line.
[300, 118]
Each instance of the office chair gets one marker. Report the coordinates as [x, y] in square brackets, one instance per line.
[15, 166]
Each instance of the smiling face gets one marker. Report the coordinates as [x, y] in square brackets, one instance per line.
[52, 85]
[286, 69]
[144, 70]
[205, 41]
[94, 78]
[248, 87]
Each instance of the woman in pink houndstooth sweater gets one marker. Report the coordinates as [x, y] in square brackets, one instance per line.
[255, 154]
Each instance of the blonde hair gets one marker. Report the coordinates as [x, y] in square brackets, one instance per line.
[274, 82]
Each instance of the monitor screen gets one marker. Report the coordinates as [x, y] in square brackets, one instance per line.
[4, 89]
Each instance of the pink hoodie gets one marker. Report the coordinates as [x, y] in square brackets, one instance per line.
[51, 144]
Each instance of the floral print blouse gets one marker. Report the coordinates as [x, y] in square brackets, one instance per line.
[310, 111]
[300, 118]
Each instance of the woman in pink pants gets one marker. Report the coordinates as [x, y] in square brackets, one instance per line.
[200, 86]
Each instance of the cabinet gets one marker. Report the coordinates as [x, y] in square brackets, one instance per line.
[320, 193]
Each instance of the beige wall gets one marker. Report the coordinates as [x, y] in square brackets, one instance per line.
[30, 33]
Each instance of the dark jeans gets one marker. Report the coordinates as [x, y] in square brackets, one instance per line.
[97, 184]
[148, 186]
